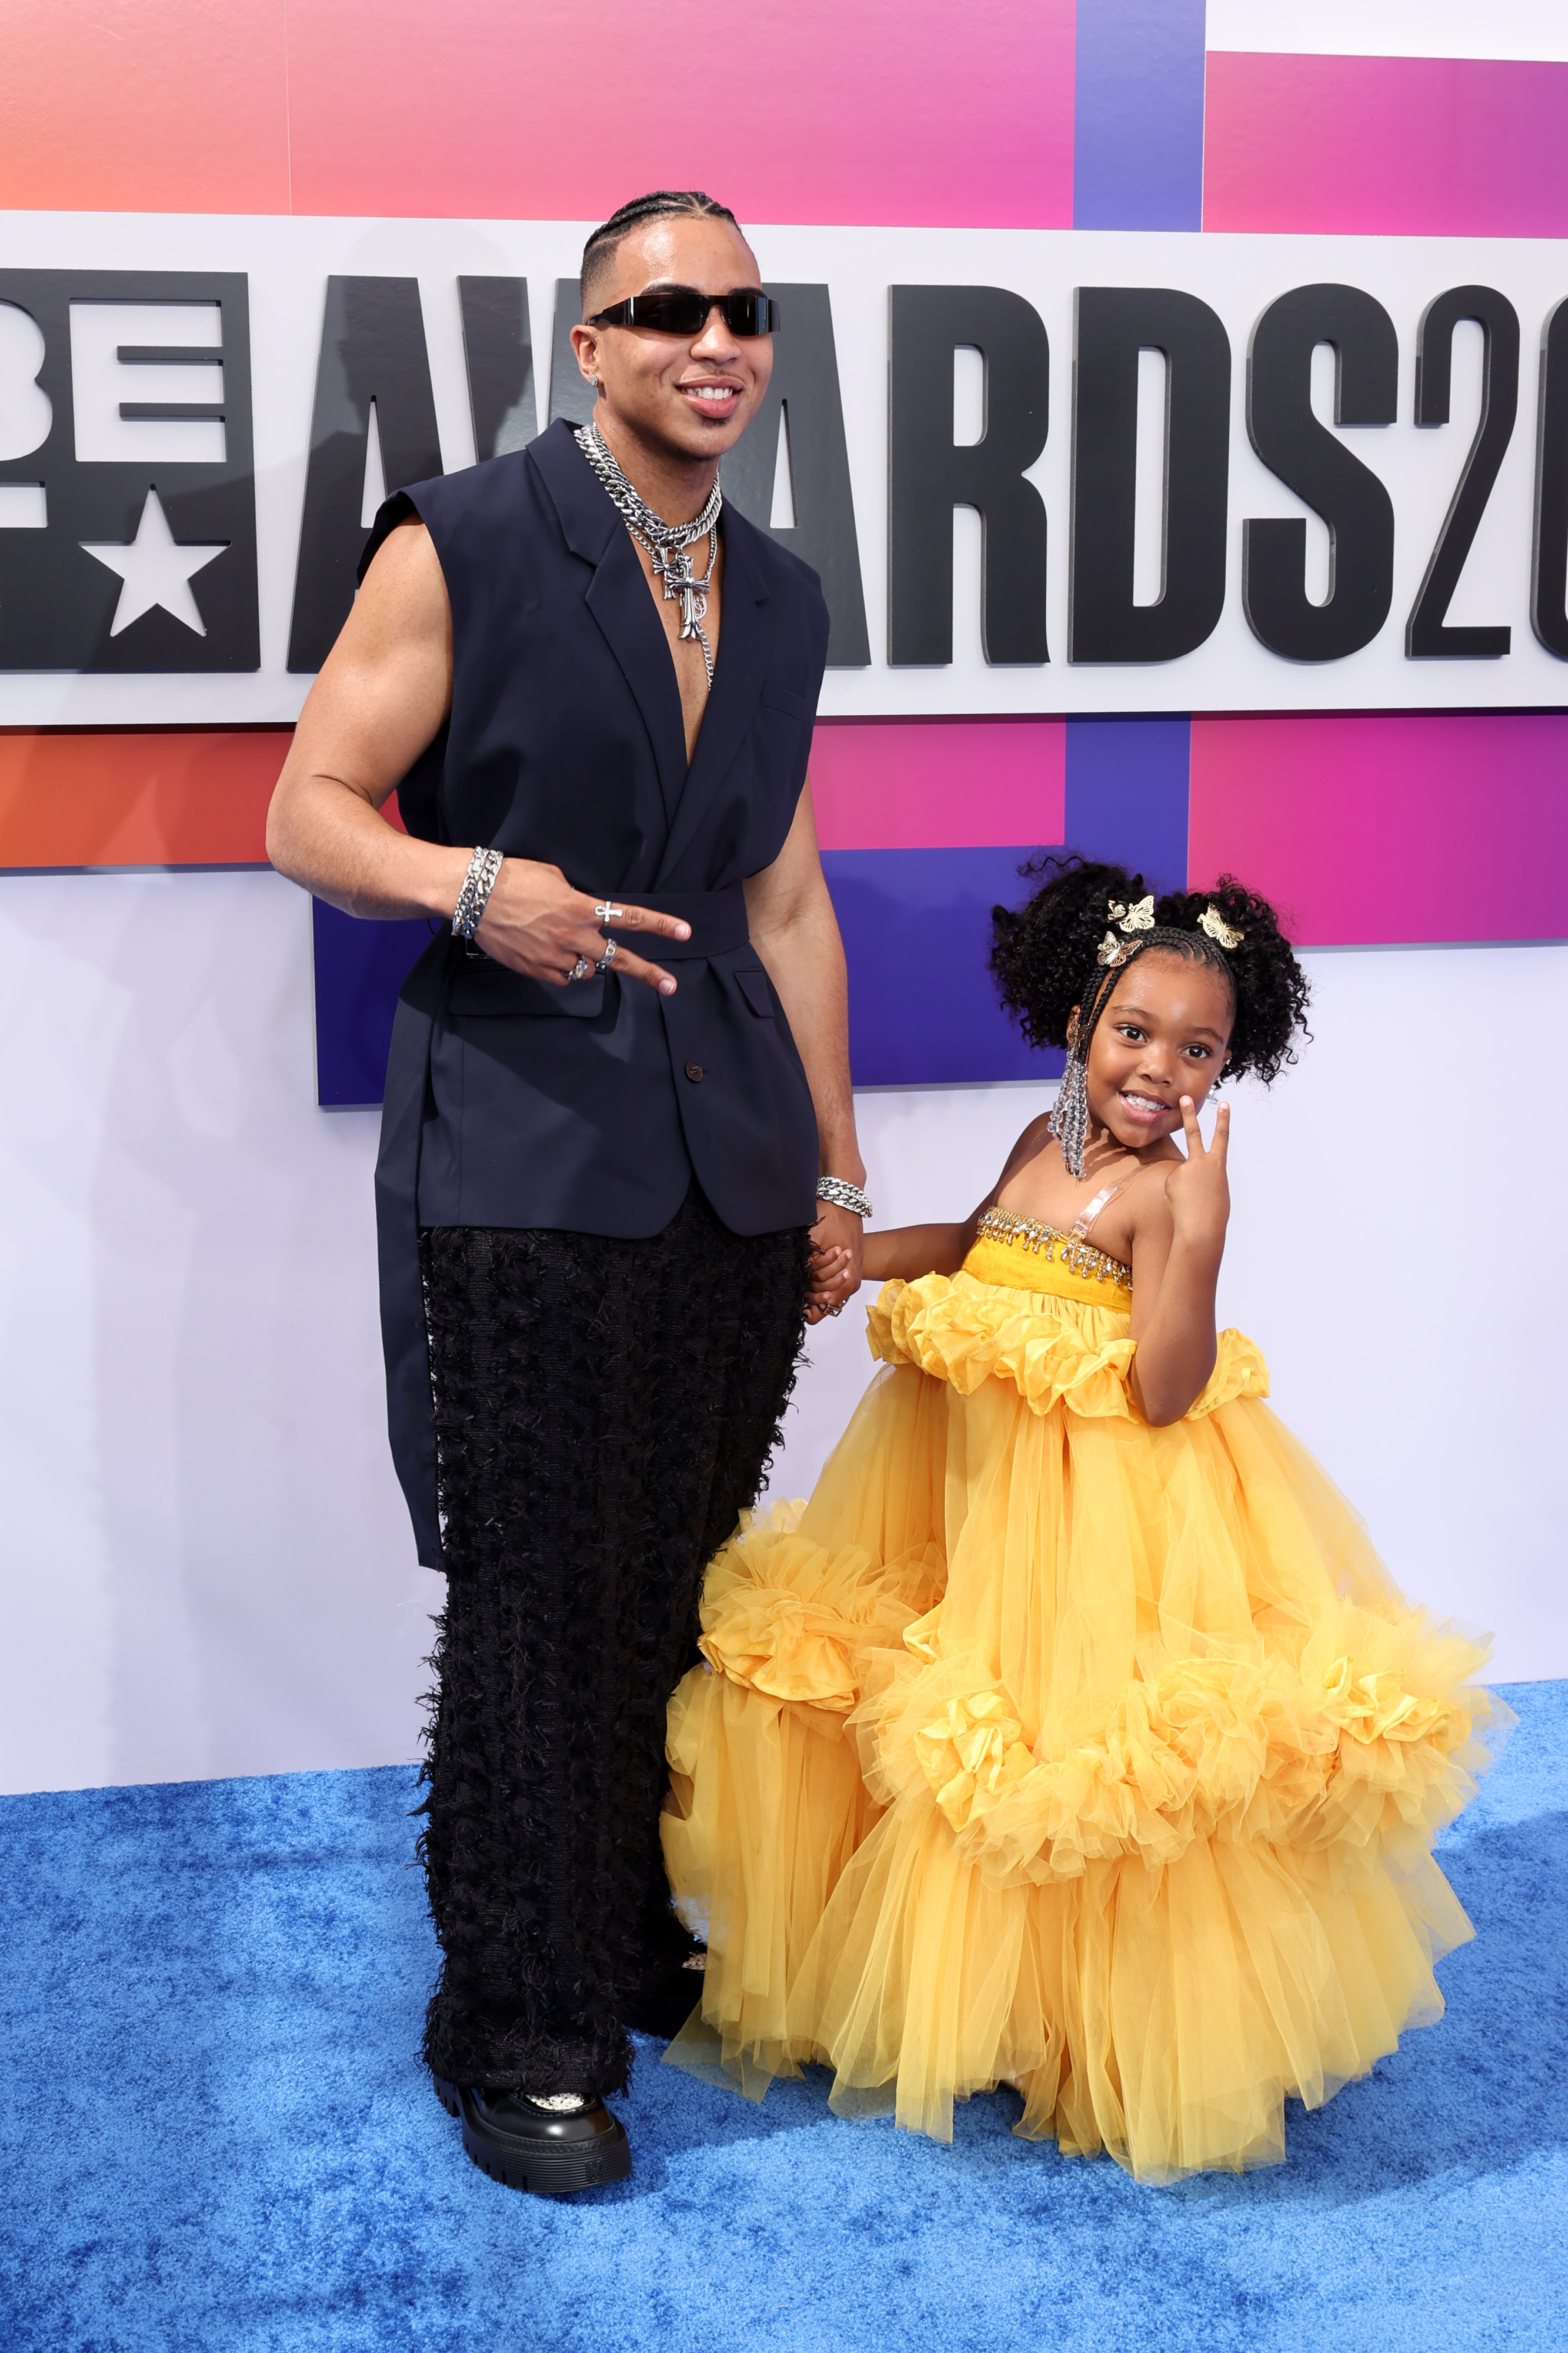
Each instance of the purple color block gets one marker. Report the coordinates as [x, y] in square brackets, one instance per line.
[1138, 139]
[360, 967]
[1127, 795]
[916, 935]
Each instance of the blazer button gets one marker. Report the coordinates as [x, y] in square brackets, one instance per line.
[694, 1071]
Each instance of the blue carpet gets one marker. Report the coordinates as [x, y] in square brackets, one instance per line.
[217, 2137]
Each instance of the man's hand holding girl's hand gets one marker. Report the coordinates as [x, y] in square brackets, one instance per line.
[835, 1255]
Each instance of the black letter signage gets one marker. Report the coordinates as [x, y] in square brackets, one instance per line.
[805, 389]
[1113, 324]
[1549, 568]
[1321, 471]
[499, 350]
[1426, 632]
[930, 475]
[128, 562]
[372, 349]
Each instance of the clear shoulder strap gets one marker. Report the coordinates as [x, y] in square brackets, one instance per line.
[1086, 1218]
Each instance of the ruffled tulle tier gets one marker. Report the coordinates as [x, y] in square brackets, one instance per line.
[1046, 1747]
[1053, 1351]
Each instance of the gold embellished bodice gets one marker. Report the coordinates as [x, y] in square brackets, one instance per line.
[1023, 1254]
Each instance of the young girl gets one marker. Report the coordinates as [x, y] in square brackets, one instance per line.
[1073, 1737]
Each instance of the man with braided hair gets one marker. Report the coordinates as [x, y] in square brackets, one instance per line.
[618, 1121]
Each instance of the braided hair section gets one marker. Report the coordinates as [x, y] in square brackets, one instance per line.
[1270, 991]
[660, 204]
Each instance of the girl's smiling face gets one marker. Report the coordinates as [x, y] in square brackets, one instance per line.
[1163, 1034]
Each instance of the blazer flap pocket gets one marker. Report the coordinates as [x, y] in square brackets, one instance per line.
[785, 698]
[493, 988]
[754, 988]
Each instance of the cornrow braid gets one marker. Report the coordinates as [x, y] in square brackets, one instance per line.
[660, 204]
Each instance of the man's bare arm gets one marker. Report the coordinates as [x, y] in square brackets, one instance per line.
[795, 932]
[382, 696]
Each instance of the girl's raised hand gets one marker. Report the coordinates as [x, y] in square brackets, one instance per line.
[1197, 1192]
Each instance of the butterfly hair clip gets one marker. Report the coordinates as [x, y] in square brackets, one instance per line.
[1224, 934]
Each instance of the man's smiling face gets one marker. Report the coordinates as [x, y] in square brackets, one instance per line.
[690, 398]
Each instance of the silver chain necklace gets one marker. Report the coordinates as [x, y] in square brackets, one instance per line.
[668, 545]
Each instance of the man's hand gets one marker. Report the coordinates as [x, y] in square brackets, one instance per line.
[535, 923]
[836, 1252]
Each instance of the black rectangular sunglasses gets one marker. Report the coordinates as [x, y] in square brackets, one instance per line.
[683, 310]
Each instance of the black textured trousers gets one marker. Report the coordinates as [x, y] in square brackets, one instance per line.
[605, 1409]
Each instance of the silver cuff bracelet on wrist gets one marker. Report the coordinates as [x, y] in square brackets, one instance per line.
[843, 1196]
[478, 883]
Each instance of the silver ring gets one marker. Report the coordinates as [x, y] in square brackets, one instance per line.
[608, 915]
[607, 959]
[579, 968]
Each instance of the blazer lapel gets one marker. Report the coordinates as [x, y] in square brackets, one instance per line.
[738, 676]
[619, 599]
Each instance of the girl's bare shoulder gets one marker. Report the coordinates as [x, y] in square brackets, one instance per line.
[1033, 1140]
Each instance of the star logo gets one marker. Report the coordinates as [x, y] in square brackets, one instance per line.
[154, 569]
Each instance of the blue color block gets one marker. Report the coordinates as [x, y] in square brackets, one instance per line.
[916, 935]
[360, 967]
[1138, 135]
[1127, 783]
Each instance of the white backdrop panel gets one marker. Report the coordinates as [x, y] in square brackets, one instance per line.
[204, 1568]
[288, 261]
[1533, 29]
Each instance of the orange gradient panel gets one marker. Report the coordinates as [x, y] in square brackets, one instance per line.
[190, 797]
[144, 106]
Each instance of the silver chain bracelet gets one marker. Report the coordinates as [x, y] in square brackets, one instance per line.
[844, 1195]
[477, 884]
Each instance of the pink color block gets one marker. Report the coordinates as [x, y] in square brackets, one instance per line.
[938, 784]
[1367, 829]
[890, 111]
[1386, 146]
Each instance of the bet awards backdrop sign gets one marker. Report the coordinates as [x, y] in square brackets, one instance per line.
[1037, 471]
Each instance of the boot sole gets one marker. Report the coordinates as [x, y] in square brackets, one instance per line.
[545, 2175]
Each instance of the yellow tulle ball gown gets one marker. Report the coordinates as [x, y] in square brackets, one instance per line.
[1049, 1748]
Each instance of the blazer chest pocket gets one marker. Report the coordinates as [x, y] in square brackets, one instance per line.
[753, 986]
[494, 988]
[787, 702]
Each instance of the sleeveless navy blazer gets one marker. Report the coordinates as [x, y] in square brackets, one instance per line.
[588, 1109]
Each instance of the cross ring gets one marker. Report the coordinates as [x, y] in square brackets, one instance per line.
[608, 915]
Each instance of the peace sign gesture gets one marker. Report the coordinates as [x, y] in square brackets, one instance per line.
[1197, 1192]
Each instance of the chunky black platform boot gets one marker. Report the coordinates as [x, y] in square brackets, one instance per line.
[538, 2143]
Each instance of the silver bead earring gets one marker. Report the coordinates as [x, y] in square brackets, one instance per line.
[1068, 1121]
